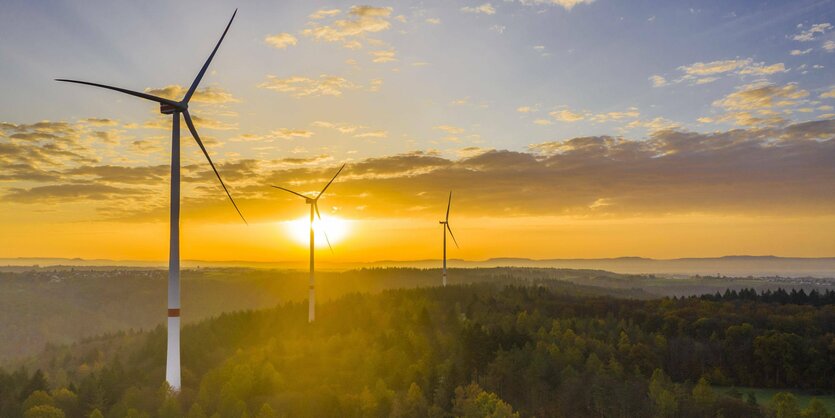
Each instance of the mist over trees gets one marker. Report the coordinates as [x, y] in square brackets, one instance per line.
[489, 349]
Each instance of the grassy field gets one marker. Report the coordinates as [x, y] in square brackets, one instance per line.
[764, 396]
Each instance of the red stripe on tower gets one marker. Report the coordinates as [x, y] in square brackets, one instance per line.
[173, 313]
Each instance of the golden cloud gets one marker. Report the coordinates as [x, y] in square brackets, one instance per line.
[209, 94]
[298, 86]
[361, 20]
[281, 40]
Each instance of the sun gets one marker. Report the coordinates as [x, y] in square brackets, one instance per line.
[336, 228]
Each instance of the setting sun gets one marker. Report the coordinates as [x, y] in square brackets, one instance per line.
[299, 230]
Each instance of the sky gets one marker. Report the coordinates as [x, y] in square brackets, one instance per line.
[563, 128]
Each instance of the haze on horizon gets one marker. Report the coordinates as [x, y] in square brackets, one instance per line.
[566, 128]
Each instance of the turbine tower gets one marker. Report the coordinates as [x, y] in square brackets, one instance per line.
[445, 223]
[175, 109]
[314, 207]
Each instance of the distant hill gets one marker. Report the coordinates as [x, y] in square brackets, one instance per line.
[735, 265]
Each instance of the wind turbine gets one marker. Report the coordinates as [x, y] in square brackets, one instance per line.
[445, 223]
[170, 107]
[314, 207]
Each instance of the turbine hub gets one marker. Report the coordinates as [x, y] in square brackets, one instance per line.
[167, 109]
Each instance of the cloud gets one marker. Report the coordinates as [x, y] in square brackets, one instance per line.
[796, 52]
[761, 69]
[566, 115]
[760, 104]
[350, 30]
[713, 67]
[286, 133]
[433, 21]
[199, 123]
[829, 46]
[372, 134]
[357, 131]
[485, 8]
[147, 175]
[208, 94]
[566, 4]
[100, 122]
[760, 96]
[345, 128]
[450, 129]
[828, 94]
[67, 193]
[281, 40]
[740, 171]
[811, 33]
[323, 13]
[542, 122]
[658, 81]
[707, 72]
[298, 86]
[33, 152]
[525, 109]
[381, 56]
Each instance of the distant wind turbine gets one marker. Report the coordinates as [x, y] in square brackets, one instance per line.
[170, 107]
[445, 223]
[314, 207]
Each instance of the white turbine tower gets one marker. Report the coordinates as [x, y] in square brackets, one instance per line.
[445, 223]
[314, 207]
[170, 107]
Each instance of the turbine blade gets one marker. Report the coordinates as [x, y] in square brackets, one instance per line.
[451, 234]
[208, 61]
[206, 153]
[145, 96]
[288, 190]
[448, 205]
[329, 183]
[316, 206]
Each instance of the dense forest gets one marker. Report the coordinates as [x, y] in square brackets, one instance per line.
[61, 305]
[553, 349]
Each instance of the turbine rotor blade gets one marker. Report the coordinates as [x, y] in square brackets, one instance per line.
[316, 206]
[288, 190]
[191, 128]
[448, 205]
[329, 183]
[208, 61]
[452, 235]
[145, 96]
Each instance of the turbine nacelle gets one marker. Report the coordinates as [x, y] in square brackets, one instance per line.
[170, 109]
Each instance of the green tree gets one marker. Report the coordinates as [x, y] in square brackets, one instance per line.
[95, 414]
[785, 405]
[43, 411]
[266, 411]
[473, 402]
[415, 403]
[196, 411]
[662, 395]
[38, 398]
[816, 409]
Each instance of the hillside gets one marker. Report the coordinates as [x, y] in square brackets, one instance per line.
[556, 349]
[62, 304]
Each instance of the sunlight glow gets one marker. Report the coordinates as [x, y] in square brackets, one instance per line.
[337, 229]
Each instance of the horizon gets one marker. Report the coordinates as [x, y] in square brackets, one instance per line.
[699, 140]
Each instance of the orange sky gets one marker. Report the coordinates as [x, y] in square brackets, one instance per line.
[724, 148]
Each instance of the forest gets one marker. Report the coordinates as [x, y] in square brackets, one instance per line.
[62, 305]
[489, 349]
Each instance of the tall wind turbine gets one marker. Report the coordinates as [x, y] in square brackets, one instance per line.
[170, 107]
[314, 207]
[445, 223]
